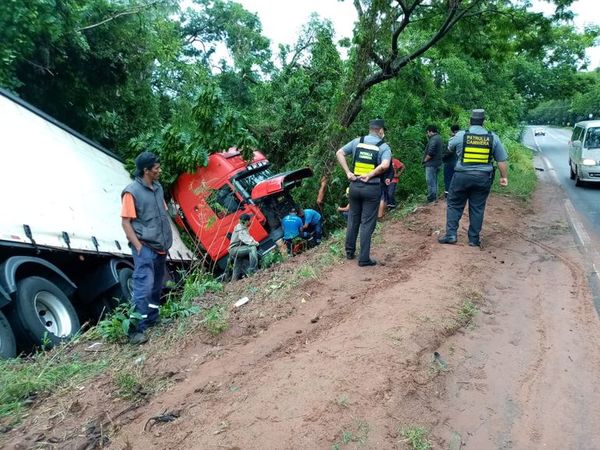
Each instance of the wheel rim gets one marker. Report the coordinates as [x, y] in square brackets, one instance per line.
[52, 314]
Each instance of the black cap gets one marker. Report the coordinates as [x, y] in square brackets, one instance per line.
[478, 114]
[377, 123]
[145, 160]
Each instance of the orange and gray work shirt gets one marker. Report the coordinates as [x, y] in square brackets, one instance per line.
[241, 236]
[128, 211]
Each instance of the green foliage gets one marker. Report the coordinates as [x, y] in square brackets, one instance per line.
[180, 303]
[416, 437]
[38, 376]
[129, 386]
[142, 75]
[115, 327]
[521, 174]
[358, 435]
[197, 283]
[216, 319]
[178, 309]
[271, 258]
[306, 271]
[467, 311]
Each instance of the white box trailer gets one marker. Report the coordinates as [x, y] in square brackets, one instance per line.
[63, 253]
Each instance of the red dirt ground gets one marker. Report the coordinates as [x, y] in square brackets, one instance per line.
[345, 359]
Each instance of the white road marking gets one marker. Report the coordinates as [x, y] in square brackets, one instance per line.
[587, 247]
[579, 228]
[550, 169]
[581, 233]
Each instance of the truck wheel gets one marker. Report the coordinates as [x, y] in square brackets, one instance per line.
[124, 290]
[42, 314]
[8, 347]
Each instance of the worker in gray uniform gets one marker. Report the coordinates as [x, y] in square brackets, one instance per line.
[476, 149]
[371, 158]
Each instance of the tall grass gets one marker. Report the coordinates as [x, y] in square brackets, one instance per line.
[22, 380]
[521, 173]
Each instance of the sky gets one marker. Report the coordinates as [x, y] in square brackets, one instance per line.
[282, 20]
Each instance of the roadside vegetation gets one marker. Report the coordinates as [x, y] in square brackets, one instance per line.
[78, 65]
[23, 381]
[27, 380]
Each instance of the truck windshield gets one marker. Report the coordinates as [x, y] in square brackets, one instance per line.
[249, 181]
[592, 140]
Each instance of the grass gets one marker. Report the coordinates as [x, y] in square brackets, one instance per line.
[467, 312]
[180, 304]
[130, 386]
[306, 271]
[521, 173]
[416, 437]
[22, 380]
[115, 326]
[358, 435]
[407, 206]
[342, 401]
[197, 284]
[271, 258]
[216, 319]
[464, 317]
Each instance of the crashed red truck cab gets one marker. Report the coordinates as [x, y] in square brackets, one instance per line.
[209, 202]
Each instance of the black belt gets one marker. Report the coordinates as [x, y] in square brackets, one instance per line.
[475, 172]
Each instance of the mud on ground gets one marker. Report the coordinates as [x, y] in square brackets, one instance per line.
[491, 348]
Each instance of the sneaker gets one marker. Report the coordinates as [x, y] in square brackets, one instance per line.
[391, 206]
[370, 262]
[138, 339]
[447, 240]
[474, 244]
[349, 255]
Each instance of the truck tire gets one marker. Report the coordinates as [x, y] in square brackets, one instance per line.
[125, 286]
[122, 292]
[42, 314]
[8, 346]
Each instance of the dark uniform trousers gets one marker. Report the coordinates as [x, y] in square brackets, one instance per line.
[473, 186]
[364, 203]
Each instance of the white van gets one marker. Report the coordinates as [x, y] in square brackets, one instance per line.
[584, 152]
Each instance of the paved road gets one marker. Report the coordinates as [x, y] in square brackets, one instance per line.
[585, 199]
[583, 204]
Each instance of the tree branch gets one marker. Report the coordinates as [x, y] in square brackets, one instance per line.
[406, 13]
[359, 10]
[121, 14]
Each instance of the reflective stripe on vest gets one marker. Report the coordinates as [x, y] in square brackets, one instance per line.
[477, 148]
[365, 157]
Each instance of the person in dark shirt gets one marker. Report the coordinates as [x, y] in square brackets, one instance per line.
[432, 160]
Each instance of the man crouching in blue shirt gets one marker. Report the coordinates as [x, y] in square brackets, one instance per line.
[312, 224]
[292, 228]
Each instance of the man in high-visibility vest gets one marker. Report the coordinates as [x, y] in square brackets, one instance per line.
[371, 158]
[476, 149]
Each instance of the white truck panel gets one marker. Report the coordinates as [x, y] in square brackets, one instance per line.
[55, 182]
